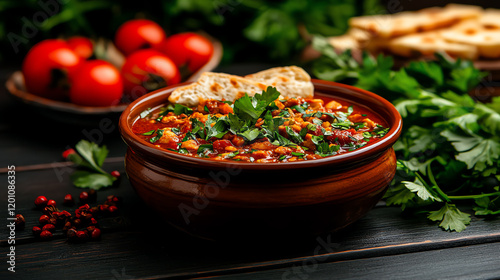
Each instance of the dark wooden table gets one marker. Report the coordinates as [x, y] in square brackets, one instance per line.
[137, 244]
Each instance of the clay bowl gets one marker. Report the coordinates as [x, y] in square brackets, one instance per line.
[262, 201]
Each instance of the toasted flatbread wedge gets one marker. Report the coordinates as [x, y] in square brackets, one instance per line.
[216, 86]
[475, 33]
[404, 23]
[428, 43]
[344, 42]
[490, 19]
[290, 81]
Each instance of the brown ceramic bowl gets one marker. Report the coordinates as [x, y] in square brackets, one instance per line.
[231, 200]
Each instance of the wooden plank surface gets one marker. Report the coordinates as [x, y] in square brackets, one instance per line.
[140, 244]
[451, 263]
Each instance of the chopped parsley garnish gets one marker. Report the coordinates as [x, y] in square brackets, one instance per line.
[181, 109]
[159, 134]
[149, 133]
[258, 119]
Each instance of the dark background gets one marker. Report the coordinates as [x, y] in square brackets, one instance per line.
[266, 31]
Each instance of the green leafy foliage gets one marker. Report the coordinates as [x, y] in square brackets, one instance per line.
[90, 157]
[449, 149]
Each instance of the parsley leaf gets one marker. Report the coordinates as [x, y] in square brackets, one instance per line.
[181, 109]
[251, 108]
[450, 218]
[90, 157]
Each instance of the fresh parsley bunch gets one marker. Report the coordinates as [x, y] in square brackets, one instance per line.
[449, 150]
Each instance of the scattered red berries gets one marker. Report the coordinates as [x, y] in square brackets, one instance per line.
[49, 227]
[80, 227]
[45, 235]
[115, 174]
[82, 235]
[51, 202]
[20, 221]
[36, 231]
[84, 197]
[41, 201]
[68, 200]
[44, 219]
[95, 234]
[68, 152]
[112, 209]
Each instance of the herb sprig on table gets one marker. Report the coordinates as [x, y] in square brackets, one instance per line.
[448, 153]
[89, 157]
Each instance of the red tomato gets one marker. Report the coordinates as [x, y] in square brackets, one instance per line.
[82, 46]
[46, 68]
[96, 83]
[147, 70]
[188, 49]
[138, 34]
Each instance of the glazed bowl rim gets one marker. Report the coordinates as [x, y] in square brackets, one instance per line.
[158, 97]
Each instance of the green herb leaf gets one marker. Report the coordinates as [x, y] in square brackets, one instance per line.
[450, 218]
[87, 179]
[205, 148]
[251, 108]
[91, 157]
[149, 133]
[159, 134]
[181, 109]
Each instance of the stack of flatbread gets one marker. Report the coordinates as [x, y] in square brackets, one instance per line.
[464, 31]
[290, 81]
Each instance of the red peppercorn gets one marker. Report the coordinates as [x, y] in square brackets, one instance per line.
[65, 214]
[44, 219]
[103, 207]
[49, 227]
[41, 201]
[84, 197]
[45, 235]
[93, 222]
[53, 220]
[51, 203]
[20, 221]
[82, 235]
[115, 174]
[84, 207]
[68, 200]
[112, 200]
[36, 231]
[95, 234]
[67, 226]
[68, 152]
[112, 209]
[90, 229]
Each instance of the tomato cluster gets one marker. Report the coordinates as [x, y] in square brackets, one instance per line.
[67, 70]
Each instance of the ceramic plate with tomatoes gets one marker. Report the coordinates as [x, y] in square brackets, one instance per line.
[81, 76]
